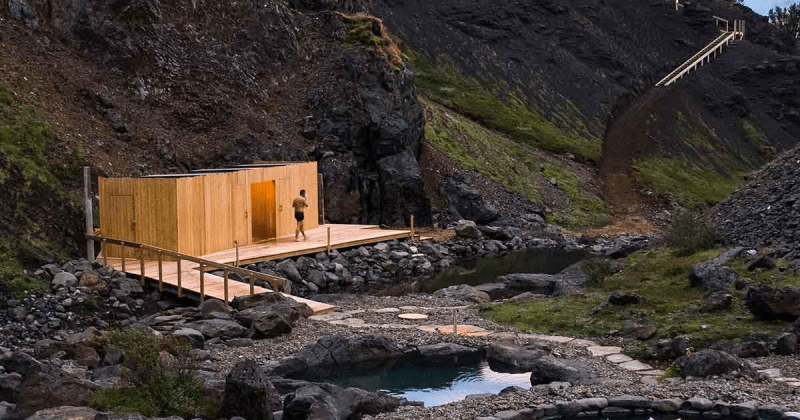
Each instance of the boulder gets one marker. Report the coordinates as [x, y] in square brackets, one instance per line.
[242, 303]
[548, 369]
[289, 269]
[623, 298]
[92, 281]
[213, 306]
[337, 349]
[717, 301]
[463, 292]
[87, 334]
[542, 284]
[712, 277]
[193, 337]
[513, 359]
[270, 320]
[570, 279]
[65, 412]
[767, 302]
[752, 349]
[494, 290]
[467, 203]
[445, 350]
[9, 386]
[63, 279]
[710, 362]
[764, 263]
[327, 401]
[787, 344]
[467, 229]
[44, 386]
[248, 393]
[402, 188]
[212, 328]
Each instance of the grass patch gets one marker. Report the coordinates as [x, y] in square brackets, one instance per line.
[155, 385]
[692, 231]
[698, 137]
[500, 109]
[14, 279]
[686, 182]
[510, 164]
[370, 31]
[661, 278]
[584, 211]
[752, 134]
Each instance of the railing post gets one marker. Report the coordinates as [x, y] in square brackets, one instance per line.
[122, 248]
[225, 277]
[141, 266]
[252, 286]
[455, 321]
[87, 202]
[160, 272]
[236, 263]
[321, 199]
[180, 290]
[104, 251]
[412, 228]
[202, 286]
[329, 241]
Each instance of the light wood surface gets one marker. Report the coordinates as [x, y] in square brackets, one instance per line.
[342, 236]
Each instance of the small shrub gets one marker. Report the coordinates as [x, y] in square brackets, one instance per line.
[370, 31]
[672, 371]
[598, 270]
[692, 231]
[156, 384]
[90, 303]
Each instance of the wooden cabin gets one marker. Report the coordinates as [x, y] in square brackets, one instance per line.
[206, 211]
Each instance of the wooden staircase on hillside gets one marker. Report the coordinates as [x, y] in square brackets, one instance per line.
[708, 52]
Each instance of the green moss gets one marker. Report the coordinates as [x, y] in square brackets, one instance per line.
[369, 31]
[584, 211]
[659, 276]
[14, 279]
[500, 109]
[698, 136]
[752, 134]
[686, 182]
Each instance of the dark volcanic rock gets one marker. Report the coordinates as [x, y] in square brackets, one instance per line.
[248, 393]
[466, 203]
[710, 362]
[767, 302]
[212, 328]
[787, 344]
[338, 350]
[463, 292]
[543, 284]
[717, 302]
[513, 359]
[327, 401]
[551, 369]
[623, 298]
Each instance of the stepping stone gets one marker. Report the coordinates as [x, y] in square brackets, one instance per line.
[409, 308]
[350, 322]
[413, 316]
[395, 326]
[770, 373]
[583, 343]
[598, 351]
[550, 338]
[649, 380]
[385, 310]
[334, 316]
[618, 358]
[654, 372]
[793, 384]
[635, 365]
[465, 330]
[786, 380]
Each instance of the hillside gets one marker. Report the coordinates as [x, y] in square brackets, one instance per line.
[541, 107]
[575, 78]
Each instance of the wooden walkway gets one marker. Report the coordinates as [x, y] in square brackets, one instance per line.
[188, 280]
[341, 236]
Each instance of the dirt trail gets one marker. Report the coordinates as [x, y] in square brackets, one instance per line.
[627, 139]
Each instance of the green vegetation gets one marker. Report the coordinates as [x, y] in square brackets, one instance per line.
[502, 109]
[598, 269]
[158, 385]
[516, 166]
[90, 303]
[14, 279]
[661, 277]
[752, 134]
[369, 31]
[686, 182]
[698, 137]
[584, 211]
[692, 231]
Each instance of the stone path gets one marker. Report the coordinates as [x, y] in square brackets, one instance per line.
[613, 354]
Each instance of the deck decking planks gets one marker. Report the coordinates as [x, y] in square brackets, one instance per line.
[342, 236]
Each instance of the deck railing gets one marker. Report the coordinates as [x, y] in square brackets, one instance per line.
[278, 283]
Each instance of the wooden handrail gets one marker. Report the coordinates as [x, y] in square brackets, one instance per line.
[699, 56]
[278, 283]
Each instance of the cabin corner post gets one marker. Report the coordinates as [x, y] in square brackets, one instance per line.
[87, 201]
[321, 198]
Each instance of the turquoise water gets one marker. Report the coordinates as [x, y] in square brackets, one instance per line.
[432, 384]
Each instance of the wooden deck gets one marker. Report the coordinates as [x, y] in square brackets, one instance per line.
[342, 236]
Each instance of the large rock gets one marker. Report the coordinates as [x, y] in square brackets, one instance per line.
[326, 401]
[445, 350]
[548, 369]
[248, 393]
[92, 281]
[261, 300]
[289, 269]
[402, 190]
[494, 290]
[713, 278]
[213, 306]
[767, 302]
[513, 359]
[63, 413]
[540, 284]
[466, 203]
[64, 279]
[9, 386]
[710, 362]
[463, 292]
[193, 337]
[269, 321]
[467, 229]
[786, 344]
[339, 350]
[212, 328]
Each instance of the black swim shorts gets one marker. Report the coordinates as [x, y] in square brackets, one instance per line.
[299, 216]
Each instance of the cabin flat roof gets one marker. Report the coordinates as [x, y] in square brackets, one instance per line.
[236, 168]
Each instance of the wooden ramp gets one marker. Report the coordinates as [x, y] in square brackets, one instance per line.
[341, 236]
[213, 286]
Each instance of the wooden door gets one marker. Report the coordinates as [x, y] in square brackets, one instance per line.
[262, 209]
[285, 195]
[241, 216]
[123, 223]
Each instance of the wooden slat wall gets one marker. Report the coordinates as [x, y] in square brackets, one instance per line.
[219, 211]
[191, 216]
[241, 211]
[156, 203]
[290, 179]
[111, 225]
